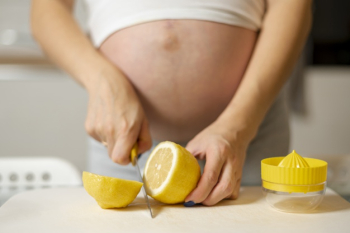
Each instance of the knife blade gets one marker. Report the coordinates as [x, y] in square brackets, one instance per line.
[134, 160]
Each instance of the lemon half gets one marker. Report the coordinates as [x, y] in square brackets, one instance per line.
[111, 192]
[171, 173]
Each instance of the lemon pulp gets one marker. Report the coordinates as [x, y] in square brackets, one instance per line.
[110, 192]
[161, 164]
[171, 173]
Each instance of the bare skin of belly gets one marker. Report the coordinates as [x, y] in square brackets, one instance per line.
[185, 72]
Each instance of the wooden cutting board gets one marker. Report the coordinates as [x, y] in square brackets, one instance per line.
[73, 210]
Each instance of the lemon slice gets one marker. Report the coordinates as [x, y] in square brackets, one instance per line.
[111, 192]
[171, 173]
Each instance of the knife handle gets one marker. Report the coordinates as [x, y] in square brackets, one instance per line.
[133, 153]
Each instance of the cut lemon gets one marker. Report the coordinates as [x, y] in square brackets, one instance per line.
[171, 173]
[111, 192]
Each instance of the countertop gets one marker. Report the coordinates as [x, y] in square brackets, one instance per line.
[73, 210]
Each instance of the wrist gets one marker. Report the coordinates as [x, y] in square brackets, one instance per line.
[93, 70]
[237, 128]
[105, 78]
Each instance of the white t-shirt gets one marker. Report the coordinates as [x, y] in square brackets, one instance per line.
[109, 16]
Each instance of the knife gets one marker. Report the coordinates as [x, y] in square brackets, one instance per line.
[134, 161]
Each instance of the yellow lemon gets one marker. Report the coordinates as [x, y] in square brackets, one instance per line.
[111, 192]
[171, 173]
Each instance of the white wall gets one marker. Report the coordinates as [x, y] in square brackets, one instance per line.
[325, 130]
[42, 114]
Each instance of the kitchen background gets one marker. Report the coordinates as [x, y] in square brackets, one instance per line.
[42, 110]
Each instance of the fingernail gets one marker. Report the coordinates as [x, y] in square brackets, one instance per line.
[139, 156]
[189, 204]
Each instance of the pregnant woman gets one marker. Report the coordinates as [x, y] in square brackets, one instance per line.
[205, 74]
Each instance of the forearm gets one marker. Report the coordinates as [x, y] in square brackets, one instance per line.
[63, 41]
[115, 115]
[282, 37]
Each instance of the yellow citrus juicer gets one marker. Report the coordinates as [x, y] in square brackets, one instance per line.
[293, 183]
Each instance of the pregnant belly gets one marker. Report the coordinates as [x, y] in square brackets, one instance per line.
[184, 71]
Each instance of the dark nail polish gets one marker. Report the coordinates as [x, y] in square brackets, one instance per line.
[189, 204]
[139, 155]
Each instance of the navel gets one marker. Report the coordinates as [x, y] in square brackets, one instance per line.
[170, 40]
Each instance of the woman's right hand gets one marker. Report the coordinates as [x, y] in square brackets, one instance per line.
[116, 118]
[115, 115]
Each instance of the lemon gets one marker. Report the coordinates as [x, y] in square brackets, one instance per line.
[111, 192]
[171, 173]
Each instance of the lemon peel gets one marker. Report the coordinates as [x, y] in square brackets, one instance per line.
[110, 192]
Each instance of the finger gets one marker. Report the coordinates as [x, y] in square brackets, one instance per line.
[224, 187]
[144, 138]
[193, 148]
[236, 190]
[110, 139]
[90, 122]
[105, 132]
[99, 130]
[122, 148]
[209, 178]
[90, 129]
[93, 134]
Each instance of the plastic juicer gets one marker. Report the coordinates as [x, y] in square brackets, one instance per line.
[293, 183]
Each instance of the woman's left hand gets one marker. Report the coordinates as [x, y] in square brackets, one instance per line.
[224, 155]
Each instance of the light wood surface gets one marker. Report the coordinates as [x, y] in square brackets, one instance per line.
[73, 210]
